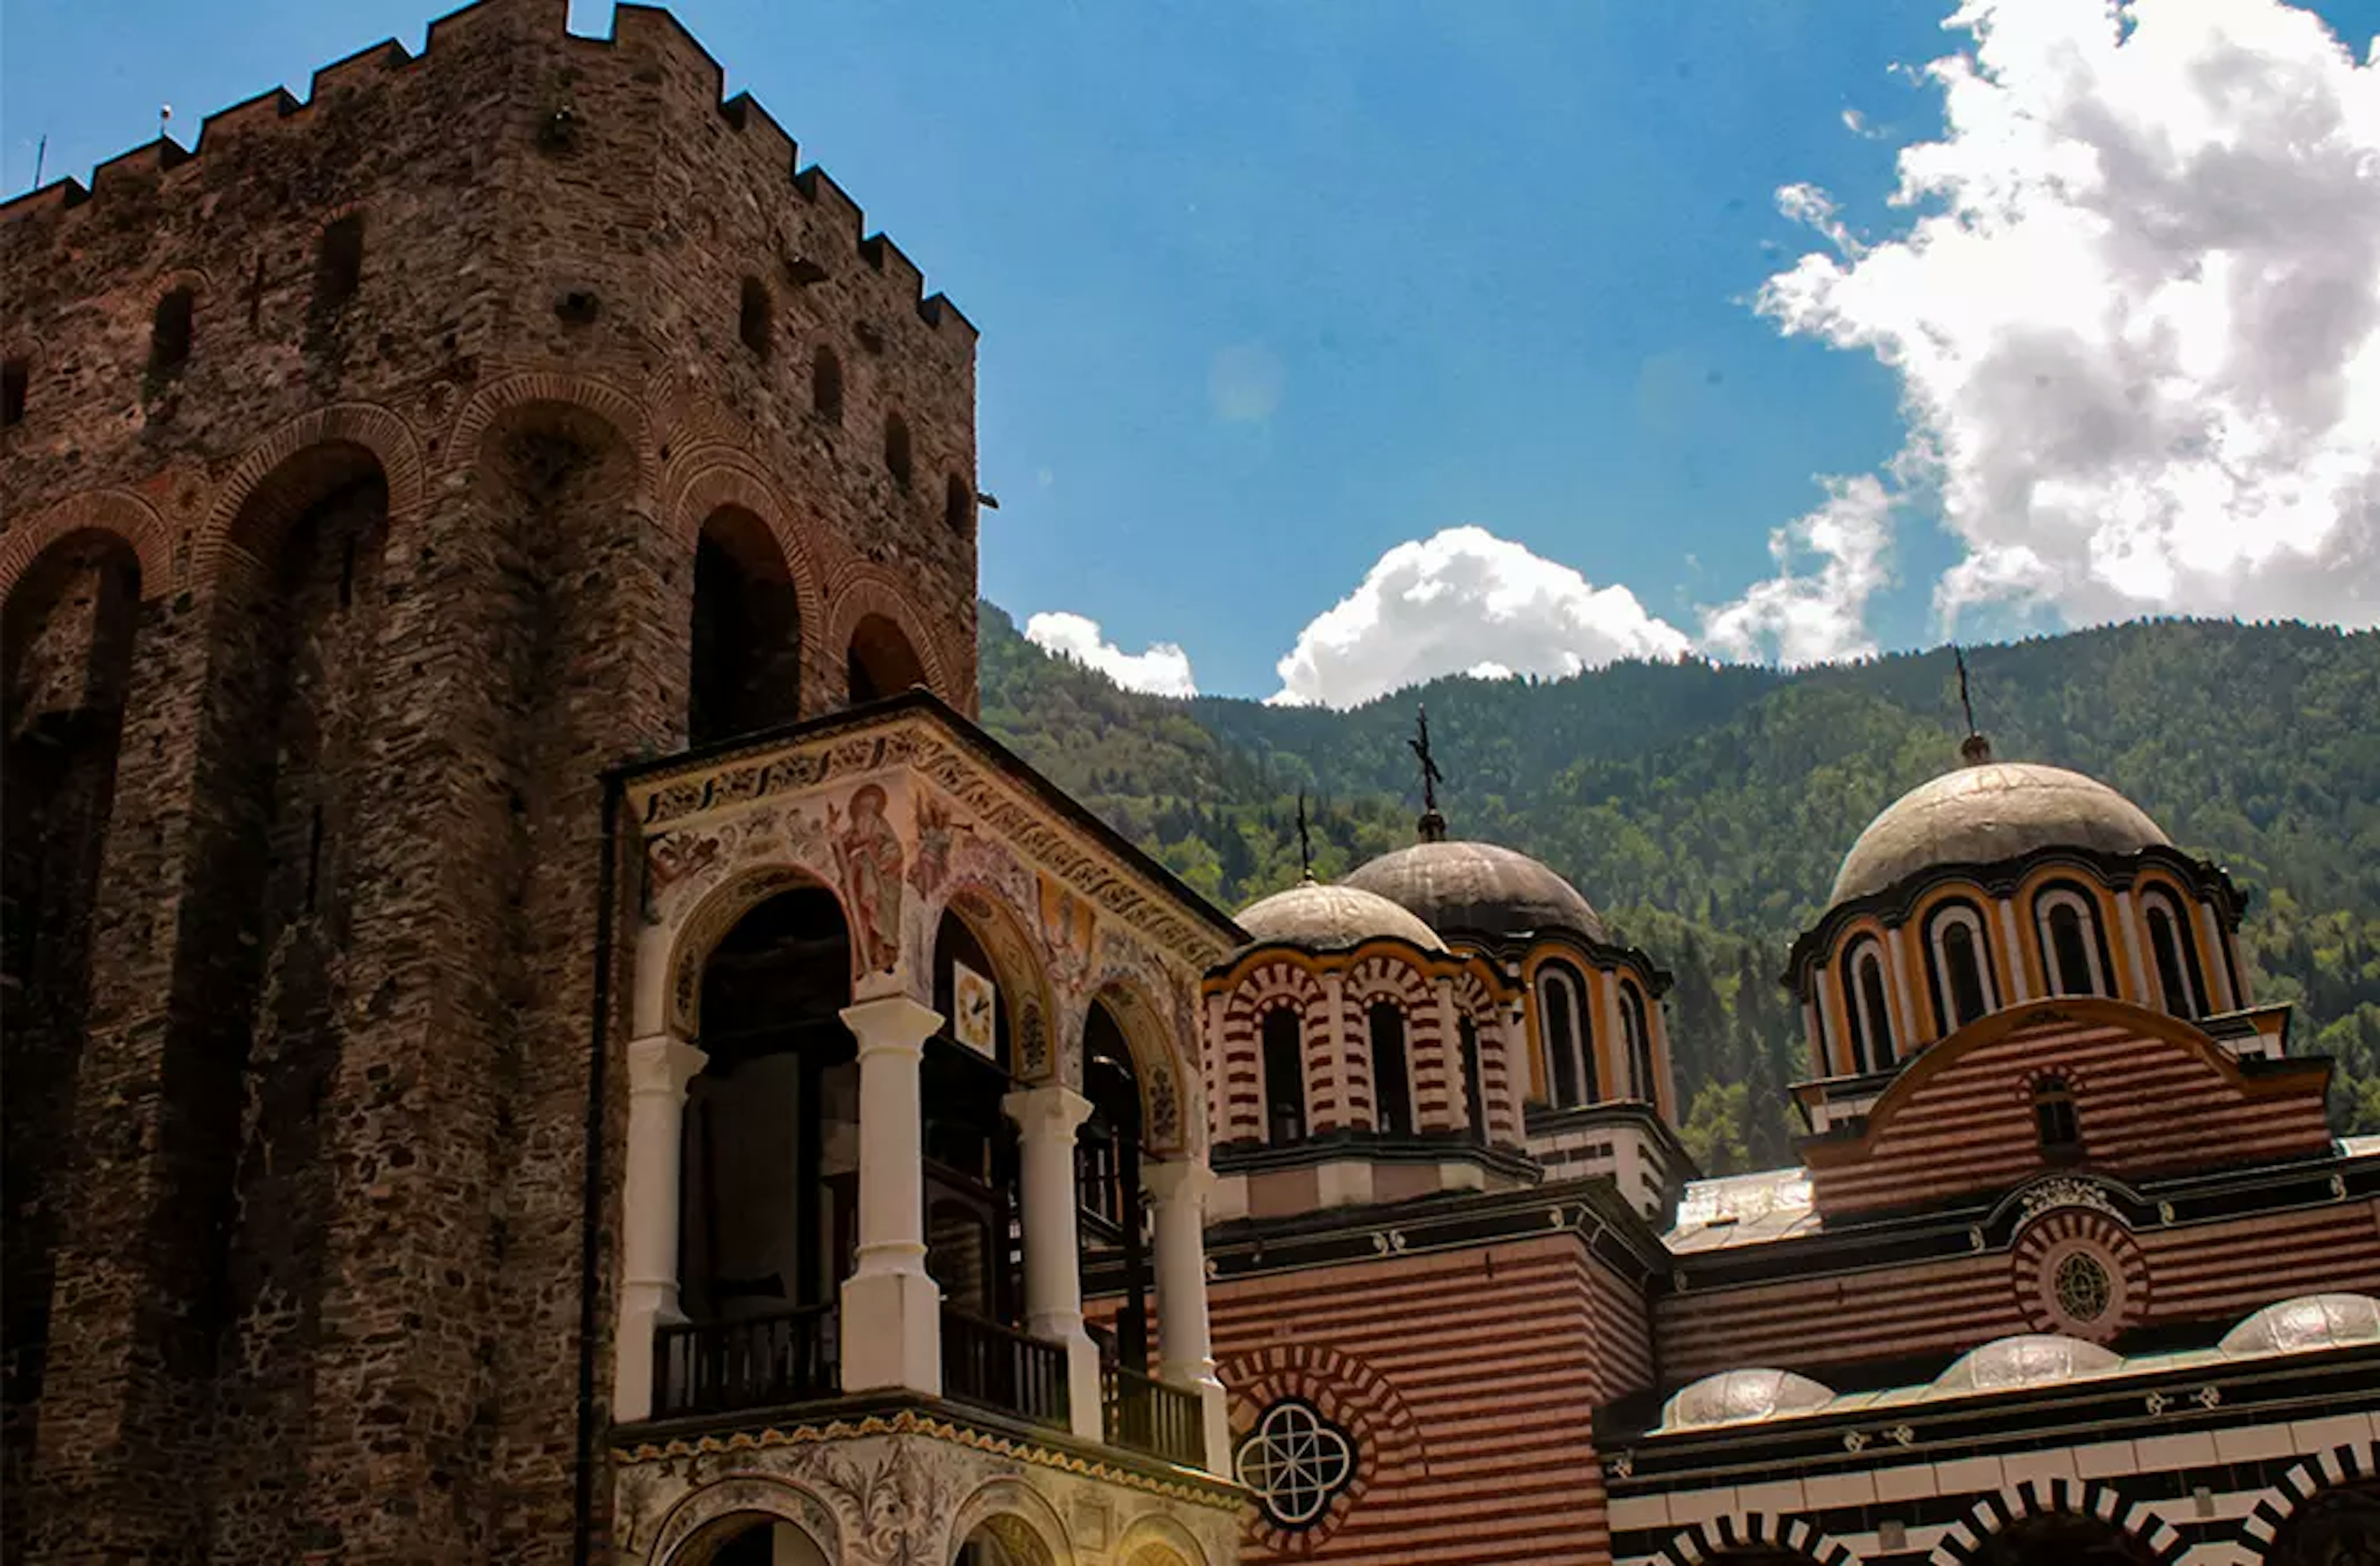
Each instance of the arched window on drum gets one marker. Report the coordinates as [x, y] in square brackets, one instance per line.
[1867, 1009]
[1284, 1076]
[2180, 984]
[1637, 1027]
[1391, 1081]
[1569, 1040]
[2070, 954]
[1959, 959]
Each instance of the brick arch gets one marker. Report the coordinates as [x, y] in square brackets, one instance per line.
[378, 430]
[1390, 977]
[1348, 1392]
[703, 482]
[1752, 1530]
[1263, 989]
[1497, 1070]
[1156, 1539]
[624, 413]
[1962, 1542]
[2309, 1477]
[118, 513]
[862, 591]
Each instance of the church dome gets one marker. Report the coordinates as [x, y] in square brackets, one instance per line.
[1325, 919]
[1478, 888]
[1733, 1397]
[1987, 812]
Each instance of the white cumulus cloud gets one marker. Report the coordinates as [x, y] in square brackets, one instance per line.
[2136, 320]
[1465, 601]
[1163, 670]
[1809, 616]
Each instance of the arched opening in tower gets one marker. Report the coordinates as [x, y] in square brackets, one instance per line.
[747, 634]
[880, 662]
[65, 667]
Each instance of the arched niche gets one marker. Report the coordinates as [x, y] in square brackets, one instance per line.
[1165, 1127]
[2063, 1538]
[1009, 955]
[751, 1538]
[724, 1514]
[745, 637]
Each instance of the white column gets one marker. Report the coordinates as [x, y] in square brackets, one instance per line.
[2020, 987]
[1178, 1190]
[2217, 965]
[892, 1311]
[660, 1070]
[1912, 1027]
[1045, 1121]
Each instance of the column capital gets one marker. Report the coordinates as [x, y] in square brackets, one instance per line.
[892, 1022]
[662, 1063]
[1053, 1105]
[1178, 1180]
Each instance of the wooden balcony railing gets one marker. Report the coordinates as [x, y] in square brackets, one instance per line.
[754, 1362]
[1146, 1414]
[1000, 1367]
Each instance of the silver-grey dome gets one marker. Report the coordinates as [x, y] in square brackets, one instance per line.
[1734, 1396]
[1331, 918]
[1980, 814]
[1478, 888]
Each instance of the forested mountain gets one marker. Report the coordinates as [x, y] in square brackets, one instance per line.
[1705, 809]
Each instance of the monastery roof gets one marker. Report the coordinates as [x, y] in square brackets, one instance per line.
[1981, 814]
[1742, 1209]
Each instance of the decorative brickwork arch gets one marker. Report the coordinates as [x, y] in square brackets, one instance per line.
[1388, 977]
[1753, 1533]
[1347, 1392]
[865, 593]
[701, 483]
[247, 501]
[489, 405]
[1266, 988]
[1965, 1542]
[2350, 1463]
[1028, 1526]
[118, 512]
[1502, 1109]
[2078, 1273]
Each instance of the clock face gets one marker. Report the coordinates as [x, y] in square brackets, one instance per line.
[973, 1001]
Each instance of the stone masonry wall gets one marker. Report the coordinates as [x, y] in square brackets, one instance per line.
[416, 560]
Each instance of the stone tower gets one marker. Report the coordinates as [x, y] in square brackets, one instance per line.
[375, 477]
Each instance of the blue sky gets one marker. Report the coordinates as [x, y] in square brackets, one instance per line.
[1269, 289]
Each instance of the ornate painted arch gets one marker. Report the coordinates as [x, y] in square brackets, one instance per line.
[1963, 1542]
[1010, 1501]
[2309, 1477]
[1162, 1539]
[706, 924]
[1020, 962]
[1164, 1076]
[1752, 1530]
[706, 1507]
[118, 513]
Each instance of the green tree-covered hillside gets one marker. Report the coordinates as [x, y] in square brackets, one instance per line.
[1705, 809]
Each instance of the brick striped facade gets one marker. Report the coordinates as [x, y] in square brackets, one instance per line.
[1469, 1378]
[2153, 1096]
